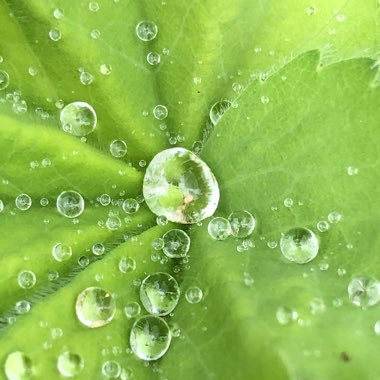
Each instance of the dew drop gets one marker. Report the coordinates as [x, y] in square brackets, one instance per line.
[317, 306]
[323, 226]
[105, 199]
[70, 364]
[4, 80]
[299, 245]
[161, 220]
[219, 228]
[340, 17]
[58, 13]
[288, 202]
[113, 223]
[118, 148]
[95, 34]
[98, 249]
[86, 78]
[285, 315]
[105, 69]
[176, 243]
[18, 366]
[70, 204]
[1, 206]
[311, 10]
[55, 34]
[22, 307]
[159, 293]
[334, 217]
[78, 119]
[158, 244]
[127, 264]
[130, 206]
[180, 186]
[93, 6]
[218, 109]
[132, 310]
[264, 100]
[194, 294]
[146, 30]
[242, 223]
[26, 279]
[376, 328]
[62, 252]
[351, 170]
[95, 307]
[364, 291]
[23, 202]
[150, 337]
[153, 58]
[111, 369]
[160, 112]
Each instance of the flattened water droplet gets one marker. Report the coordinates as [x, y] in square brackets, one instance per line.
[176, 243]
[70, 364]
[299, 245]
[111, 369]
[132, 309]
[242, 223]
[194, 294]
[26, 279]
[364, 291]
[4, 80]
[62, 252]
[70, 204]
[78, 119]
[160, 112]
[159, 293]
[218, 109]
[219, 228]
[95, 307]
[18, 366]
[180, 186]
[150, 337]
[23, 202]
[146, 30]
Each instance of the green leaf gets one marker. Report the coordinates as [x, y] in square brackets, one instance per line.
[303, 82]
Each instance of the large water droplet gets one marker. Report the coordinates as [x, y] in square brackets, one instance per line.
[78, 119]
[176, 243]
[219, 228]
[180, 186]
[242, 223]
[70, 204]
[95, 307]
[218, 109]
[4, 79]
[299, 245]
[62, 252]
[150, 337]
[18, 366]
[159, 293]
[364, 291]
[70, 364]
[146, 30]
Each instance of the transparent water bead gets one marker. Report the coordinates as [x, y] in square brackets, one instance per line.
[95, 307]
[70, 204]
[194, 294]
[130, 206]
[4, 79]
[70, 364]
[22, 307]
[23, 202]
[364, 291]
[132, 309]
[160, 112]
[299, 245]
[159, 293]
[62, 252]
[111, 369]
[78, 119]
[219, 228]
[218, 109]
[146, 30]
[118, 148]
[180, 186]
[242, 223]
[55, 34]
[98, 249]
[26, 279]
[18, 366]
[153, 58]
[176, 243]
[127, 264]
[285, 315]
[150, 337]
[376, 328]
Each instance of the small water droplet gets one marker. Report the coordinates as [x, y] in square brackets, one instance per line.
[118, 148]
[160, 112]
[194, 294]
[22, 307]
[218, 109]
[242, 223]
[18, 366]
[113, 223]
[4, 80]
[105, 69]
[26, 279]
[58, 13]
[364, 291]
[288, 202]
[105, 199]
[70, 364]
[158, 244]
[334, 217]
[62, 252]
[146, 30]
[95, 307]
[132, 310]
[86, 78]
[93, 6]
[130, 206]
[323, 226]
[153, 58]
[70, 204]
[341, 272]
[127, 264]
[219, 228]
[317, 306]
[376, 328]
[98, 249]
[111, 369]
[311, 10]
[340, 17]
[176, 243]
[351, 170]
[159, 293]
[55, 34]
[161, 220]
[264, 100]
[95, 34]
[23, 202]
[285, 315]
[150, 337]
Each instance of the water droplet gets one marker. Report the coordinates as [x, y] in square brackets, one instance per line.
[78, 119]
[323, 226]
[285, 315]
[340, 17]
[376, 328]
[153, 58]
[288, 202]
[351, 170]
[22, 307]
[105, 69]
[83, 261]
[127, 264]
[32, 71]
[95, 307]
[272, 244]
[341, 272]
[18, 366]
[146, 30]
[194, 294]
[95, 34]
[311, 10]
[242, 223]
[26, 279]
[4, 80]
[86, 78]
[113, 223]
[176, 243]
[299, 245]
[364, 291]
[58, 13]
[118, 148]
[70, 204]
[62, 252]
[93, 6]
[323, 265]
[111, 369]
[130, 206]
[161, 220]
[70, 364]
[160, 112]
[150, 337]
[218, 109]
[98, 249]
[105, 199]
[158, 244]
[334, 217]
[317, 306]
[1, 206]
[219, 228]
[23, 202]
[159, 293]
[55, 34]
[264, 100]
[132, 309]
[56, 333]
[180, 186]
